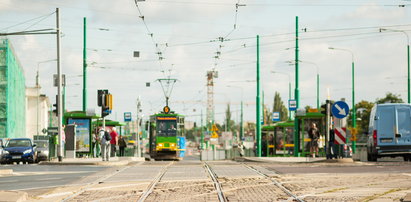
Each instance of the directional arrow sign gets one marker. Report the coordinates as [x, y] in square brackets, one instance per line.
[340, 109]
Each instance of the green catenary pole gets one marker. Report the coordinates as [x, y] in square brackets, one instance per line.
[258, 105]
[408, 78]
[84, 67]
[242, 124]
[354, 111]
[318, 92]
[297, 92]
[202, 134]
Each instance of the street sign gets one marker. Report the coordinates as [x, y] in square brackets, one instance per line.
[340, 135]
[292, 105]
[214, 135]
[340, 109]
[276, 116]
[214, 128]
[127, 116]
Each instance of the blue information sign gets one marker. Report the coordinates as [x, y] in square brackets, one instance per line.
[127, 116]
[340, 109]
[276, 116]
[292, 105]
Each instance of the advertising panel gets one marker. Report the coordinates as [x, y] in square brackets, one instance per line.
[82, 134]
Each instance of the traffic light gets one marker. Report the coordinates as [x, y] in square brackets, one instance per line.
[107, 104]
[56, 110]
[100, 97]
[109, 101]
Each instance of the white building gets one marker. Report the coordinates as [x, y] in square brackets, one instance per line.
[37, 112]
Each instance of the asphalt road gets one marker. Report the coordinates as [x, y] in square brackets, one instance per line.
[32, 176]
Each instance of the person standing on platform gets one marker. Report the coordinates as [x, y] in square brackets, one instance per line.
[105, 139]
[314, 135]
[122, 145]
[113, 141]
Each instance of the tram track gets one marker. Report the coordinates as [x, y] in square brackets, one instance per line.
[276, 183]
[217, 184]
[153, 183]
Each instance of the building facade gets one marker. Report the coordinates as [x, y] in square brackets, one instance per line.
[37, 112]
[12, 93]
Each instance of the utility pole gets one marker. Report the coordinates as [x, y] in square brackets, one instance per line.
[60, 152]
[242, 123]
[258, 104]
[297, 92]
[84, 67]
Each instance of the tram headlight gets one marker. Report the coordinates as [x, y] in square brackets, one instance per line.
[160, 144]
[172, 144]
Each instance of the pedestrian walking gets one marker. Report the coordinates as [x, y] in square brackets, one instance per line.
[122, 145]
[314, 135]
[113, 141]
[105, 144]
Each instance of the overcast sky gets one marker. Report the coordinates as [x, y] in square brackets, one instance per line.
[186, 32]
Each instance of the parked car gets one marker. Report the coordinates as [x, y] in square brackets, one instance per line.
[389, 131]
[42, 148]
[19, 150]
[2, 143]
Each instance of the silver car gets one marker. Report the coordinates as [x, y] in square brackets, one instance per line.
[42, 150]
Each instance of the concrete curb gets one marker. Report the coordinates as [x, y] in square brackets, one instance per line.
[6, 171]
[117, 161]
[13, 196]
[293, 160]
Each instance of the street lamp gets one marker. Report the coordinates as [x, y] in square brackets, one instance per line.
[354, 119]
[408, 57]
[289, 88]
[38, 91]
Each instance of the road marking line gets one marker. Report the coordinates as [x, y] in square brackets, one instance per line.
[56, 194]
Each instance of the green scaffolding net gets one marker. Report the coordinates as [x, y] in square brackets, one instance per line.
[12, 94]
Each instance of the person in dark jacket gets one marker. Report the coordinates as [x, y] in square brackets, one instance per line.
[122, 145]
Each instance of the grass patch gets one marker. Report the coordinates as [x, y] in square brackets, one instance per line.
[335, 190]
[375, 196]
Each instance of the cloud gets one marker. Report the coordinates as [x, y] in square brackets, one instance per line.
[373, 11]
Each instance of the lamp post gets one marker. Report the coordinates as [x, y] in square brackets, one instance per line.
[354, 111]
[408, 58]
[241, 115]
[289, 88]
[38, 91]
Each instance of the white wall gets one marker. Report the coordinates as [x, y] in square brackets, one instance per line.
[37, 108]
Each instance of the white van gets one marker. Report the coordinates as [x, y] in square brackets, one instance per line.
[389, 132]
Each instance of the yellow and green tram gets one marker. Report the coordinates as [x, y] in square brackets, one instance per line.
[167, 137]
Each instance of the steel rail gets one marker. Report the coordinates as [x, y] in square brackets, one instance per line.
[276, 183]
[217, 184]
[154, 183]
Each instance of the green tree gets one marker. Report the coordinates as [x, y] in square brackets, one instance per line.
[278, 106]
[363, 118]
[390, 98]
[228, 123]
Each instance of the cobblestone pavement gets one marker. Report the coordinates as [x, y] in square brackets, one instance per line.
[190, 181]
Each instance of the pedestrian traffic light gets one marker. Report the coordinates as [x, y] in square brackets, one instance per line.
[100, 97]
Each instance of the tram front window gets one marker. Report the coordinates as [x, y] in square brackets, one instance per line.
[166, 128]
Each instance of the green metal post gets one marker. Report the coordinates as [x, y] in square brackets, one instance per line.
[242, 124]
[258, 104]
[202, 134]
[408, 78]
[354, 110]
[297, 91]
[318, 92]
[84, 67]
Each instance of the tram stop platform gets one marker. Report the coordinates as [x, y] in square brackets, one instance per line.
[293, 160]
[114, 161]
